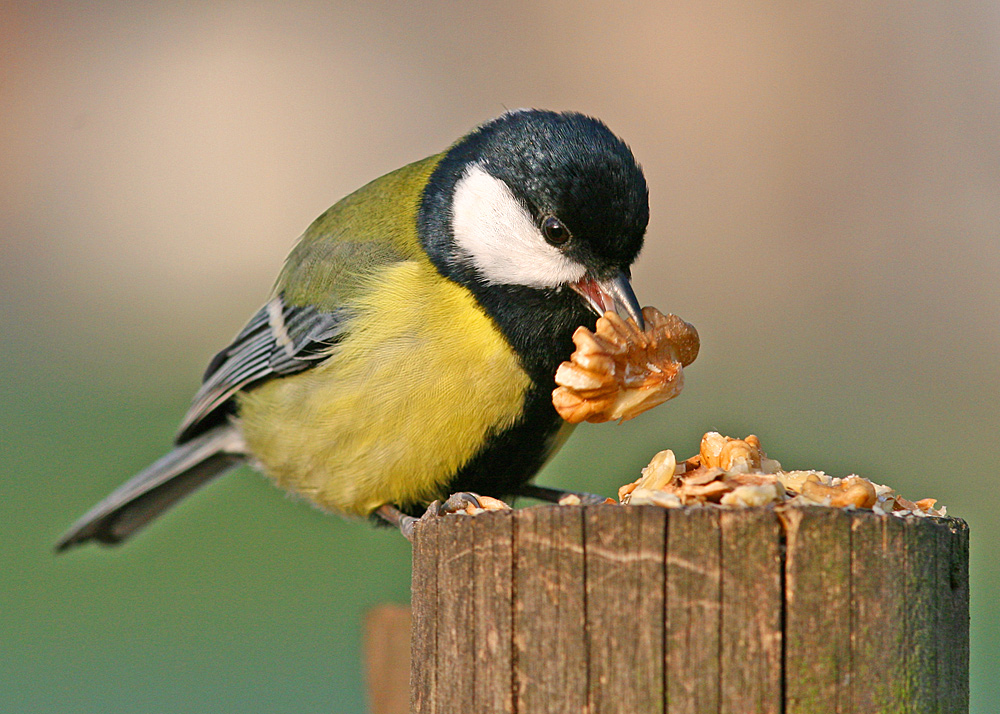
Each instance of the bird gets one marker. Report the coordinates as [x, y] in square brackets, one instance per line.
[409, 346]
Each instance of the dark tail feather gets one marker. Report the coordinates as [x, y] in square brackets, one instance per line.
[158, 487]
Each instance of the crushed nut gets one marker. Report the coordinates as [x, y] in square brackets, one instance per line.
[855, 491]
[794, 480]
[737, 473]
[620, 371]
[731, 454]
[660, 471]
[711, 446]
[747, 496]
[647, 497]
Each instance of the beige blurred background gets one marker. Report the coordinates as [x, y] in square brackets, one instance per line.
[825, 195]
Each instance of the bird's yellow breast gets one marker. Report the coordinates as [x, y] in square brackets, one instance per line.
[411, 393]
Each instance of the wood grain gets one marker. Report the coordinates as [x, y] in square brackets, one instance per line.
[921, 687]
[953, 615]
[492, 612]
[693, 608]
[624, 559]
[750, 672]
[424, 605]
[817, 610]
[604, 609]
[550, 611]
[878, 613]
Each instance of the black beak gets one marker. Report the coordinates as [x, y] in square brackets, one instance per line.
[614, 294]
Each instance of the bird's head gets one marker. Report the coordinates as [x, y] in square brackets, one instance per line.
[543, 201]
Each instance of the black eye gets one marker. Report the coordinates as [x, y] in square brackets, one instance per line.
[554, 231]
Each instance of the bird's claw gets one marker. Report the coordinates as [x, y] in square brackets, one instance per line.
[460, 503]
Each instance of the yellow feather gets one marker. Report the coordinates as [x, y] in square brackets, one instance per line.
[420, 381]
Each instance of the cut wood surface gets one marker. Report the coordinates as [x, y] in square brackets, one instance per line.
[641, 609]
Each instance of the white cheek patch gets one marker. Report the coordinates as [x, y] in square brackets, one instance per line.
[497, 236]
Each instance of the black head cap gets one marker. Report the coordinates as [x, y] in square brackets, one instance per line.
[563, 166]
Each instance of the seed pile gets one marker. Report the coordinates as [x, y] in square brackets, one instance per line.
[737, 473]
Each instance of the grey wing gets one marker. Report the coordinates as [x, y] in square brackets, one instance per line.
[279, 340]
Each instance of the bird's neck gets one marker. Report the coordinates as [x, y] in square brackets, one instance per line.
[538, 324]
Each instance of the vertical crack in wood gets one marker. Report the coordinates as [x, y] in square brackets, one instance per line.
[783, 612]
[435, 677]
[846, 681]
[624, 578]
[932, 619]
[722, 610]
[550, 636]
[906, 687]
[752, 637]
[476, 593]
[952, 627]
[951, 611]
[877, 616]
[817, 605]
[514, 655]
[693, 611]
[490, 616]
[922, 595]
[664, 642]
[425, 643]
[959, 611]
[586, 626]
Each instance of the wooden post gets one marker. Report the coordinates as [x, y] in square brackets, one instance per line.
[640, 609]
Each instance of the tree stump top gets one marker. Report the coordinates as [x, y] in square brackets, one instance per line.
[643, 609]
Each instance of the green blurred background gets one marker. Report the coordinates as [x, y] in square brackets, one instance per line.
[825, 195]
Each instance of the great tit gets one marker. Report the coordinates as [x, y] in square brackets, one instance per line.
[409, 348]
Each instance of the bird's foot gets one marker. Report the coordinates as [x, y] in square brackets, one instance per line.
[561, 497]
[468, 503]
[461, 503]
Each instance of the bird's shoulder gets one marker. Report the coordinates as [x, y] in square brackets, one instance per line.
[356, 237]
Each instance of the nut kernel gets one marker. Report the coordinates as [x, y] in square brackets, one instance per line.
[619, 371]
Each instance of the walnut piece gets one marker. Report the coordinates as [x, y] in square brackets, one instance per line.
[619, 371]
[736, 473]
[726, 471]
[851, 491]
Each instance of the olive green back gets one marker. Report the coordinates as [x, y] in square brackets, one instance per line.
[374, 226]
